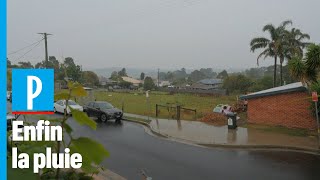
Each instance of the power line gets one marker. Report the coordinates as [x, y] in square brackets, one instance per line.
[27, 52]
[13, 52]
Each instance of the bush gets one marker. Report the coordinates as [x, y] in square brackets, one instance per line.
[148, 83]
[237, 83]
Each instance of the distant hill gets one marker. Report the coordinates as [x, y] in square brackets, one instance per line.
[135, 72]
[132, 72]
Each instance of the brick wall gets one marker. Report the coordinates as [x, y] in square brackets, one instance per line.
[289, 110]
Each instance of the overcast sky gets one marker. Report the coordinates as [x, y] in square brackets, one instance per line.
[152, 33]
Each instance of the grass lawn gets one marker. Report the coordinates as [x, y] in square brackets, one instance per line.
[136, 102]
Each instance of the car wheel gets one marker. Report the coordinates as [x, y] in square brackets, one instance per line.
[118, 120]
[103, 117]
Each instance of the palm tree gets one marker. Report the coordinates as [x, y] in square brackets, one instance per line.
[296, 40]
[273, 46]
[307, 70]
[292, 46]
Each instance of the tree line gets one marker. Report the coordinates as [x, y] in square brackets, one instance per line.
[65, 70]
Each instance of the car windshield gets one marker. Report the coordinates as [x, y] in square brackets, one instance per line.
[105, 105]
[72, 103]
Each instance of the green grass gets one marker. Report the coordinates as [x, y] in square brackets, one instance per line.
[136, 102]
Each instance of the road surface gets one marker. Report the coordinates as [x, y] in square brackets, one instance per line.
[133, 150]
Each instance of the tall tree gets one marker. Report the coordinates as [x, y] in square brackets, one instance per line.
[142, 76]
[90, 78]
[292, 45]
[197, 75]
[123, 72]
[223, 74]
[296, 40]
[114, 76]
[271, 47]
[73, 71]
[237, 83]
[208, 72]
[148, 83]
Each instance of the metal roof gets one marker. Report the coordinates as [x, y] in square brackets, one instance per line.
[293, 87]
[211, 81]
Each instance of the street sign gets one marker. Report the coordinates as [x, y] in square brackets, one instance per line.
[314, 97]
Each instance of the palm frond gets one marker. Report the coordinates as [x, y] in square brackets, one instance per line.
[271, 29]
[285, 23]
[313, 56]
[259, 40]
[297, 68]
[304, 36]
[266, 53]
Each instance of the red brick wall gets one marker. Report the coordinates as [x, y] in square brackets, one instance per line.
[289, 110]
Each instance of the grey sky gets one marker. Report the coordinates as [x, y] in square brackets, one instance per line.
[153, 33]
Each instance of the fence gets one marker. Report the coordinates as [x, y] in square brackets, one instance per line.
[196, 91]
[177, 109]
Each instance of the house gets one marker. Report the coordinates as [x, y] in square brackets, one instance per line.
[164, 83]
[182, 86]
[207, 84]
[200, 86]
[212, 83]
[106, 82]
[135, 82]
[287, 106]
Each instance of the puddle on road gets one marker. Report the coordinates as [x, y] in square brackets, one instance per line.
[210, 134]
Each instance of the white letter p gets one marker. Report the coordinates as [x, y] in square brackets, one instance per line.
[30, 94]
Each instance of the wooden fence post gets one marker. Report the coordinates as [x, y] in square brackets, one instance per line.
[156, 110]
[178, 112]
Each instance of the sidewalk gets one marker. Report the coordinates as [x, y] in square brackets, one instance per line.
[202, 133]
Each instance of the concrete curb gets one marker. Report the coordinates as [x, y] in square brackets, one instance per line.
[231, 146]
[146, 125]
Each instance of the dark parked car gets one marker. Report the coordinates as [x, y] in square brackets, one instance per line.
[103, 111]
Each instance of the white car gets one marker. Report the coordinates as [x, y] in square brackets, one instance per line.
[60, 106]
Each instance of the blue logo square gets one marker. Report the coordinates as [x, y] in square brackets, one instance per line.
[32, 90]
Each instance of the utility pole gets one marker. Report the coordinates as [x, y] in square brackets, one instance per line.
[158, 77]
[45, 35]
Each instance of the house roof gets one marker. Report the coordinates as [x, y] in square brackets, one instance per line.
[87, 88]
[131, 80]
[293, 87]
[200, 86]
[110, 81]
[210, 81]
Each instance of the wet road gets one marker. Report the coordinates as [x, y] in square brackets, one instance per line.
[133, 150]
